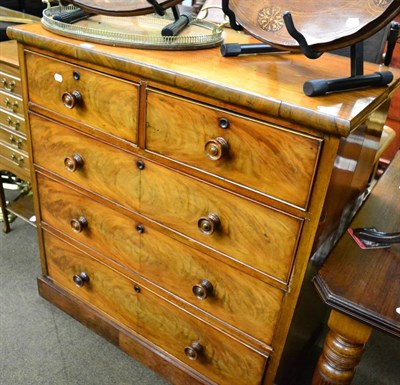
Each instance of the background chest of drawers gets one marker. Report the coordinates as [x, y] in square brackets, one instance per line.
[13, 143]
[179, 205]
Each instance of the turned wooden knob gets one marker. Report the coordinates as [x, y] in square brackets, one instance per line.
[73, 163]
[81, 279]
[203, 289]
[207, 225]
[78, 224]
[216, 148]
[71, 99]
[194, 351]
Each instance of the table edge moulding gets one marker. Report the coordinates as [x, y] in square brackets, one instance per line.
[211, 150]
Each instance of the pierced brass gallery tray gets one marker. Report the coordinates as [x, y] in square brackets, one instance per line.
[142, 31]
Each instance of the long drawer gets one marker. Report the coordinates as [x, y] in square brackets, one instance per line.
[191, 341]
[101, 101]
[241, 300]
[258, 156]
[223, 221]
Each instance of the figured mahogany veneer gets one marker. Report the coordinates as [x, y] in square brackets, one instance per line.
[180, 195]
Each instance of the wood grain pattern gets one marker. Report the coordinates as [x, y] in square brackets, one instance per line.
[239, 299]
[342, 351]
[179, 202]
[108, 104]
[268, 85]
[152, 317]
[268, 159]
[106, 170]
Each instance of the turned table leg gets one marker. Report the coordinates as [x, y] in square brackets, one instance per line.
[6, 225]
[342, 350]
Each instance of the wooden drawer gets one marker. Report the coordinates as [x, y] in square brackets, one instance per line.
[172, 199]
[15, 160]
[221, 220]
[223, 360]
[105, 103]
[8, 82]
[106, 170]
[12, 121]
[271, 160]
[239, 299]
[13, 140]
[12, 103]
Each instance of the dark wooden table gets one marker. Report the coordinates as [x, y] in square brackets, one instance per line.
[362, 287]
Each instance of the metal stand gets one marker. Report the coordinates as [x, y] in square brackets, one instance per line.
[317, 87]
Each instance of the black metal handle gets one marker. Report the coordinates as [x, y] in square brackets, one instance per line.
[72, 17]
[177, 26]
[235, 49]
[322, 86]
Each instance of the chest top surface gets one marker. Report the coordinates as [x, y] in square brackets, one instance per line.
[268, 84]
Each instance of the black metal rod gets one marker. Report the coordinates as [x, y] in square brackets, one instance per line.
[322, 86]
[235, 49]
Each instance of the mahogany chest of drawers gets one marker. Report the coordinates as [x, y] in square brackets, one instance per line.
[180, 195]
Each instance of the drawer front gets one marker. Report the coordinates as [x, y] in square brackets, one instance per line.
[15, 161]
[272, 161]
[172, 199]
[100, 101]
[10, 83]
[13, 140]
[222, 359]
[221, 220]
[91, 163]
[224, 292]
[12, 103]
[12, 121]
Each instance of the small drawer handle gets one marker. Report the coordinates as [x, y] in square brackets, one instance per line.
[81, 279]
[71, 99]
[12, 124]
[18, 160]
[9, 86]
[194, 351]
[216, 148]
[203, 289]
[11, 105]
[78, 224]
[208, 225]
[73, 163]
[15, 141]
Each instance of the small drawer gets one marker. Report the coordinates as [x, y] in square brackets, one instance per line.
[13, 140]
[12, 121]
[195, 343]
[9, 83]
[100, 101]
[12, 103]
[226, 222]
[16, 159]
[271, 160]
[94, 165]
[241, 300]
